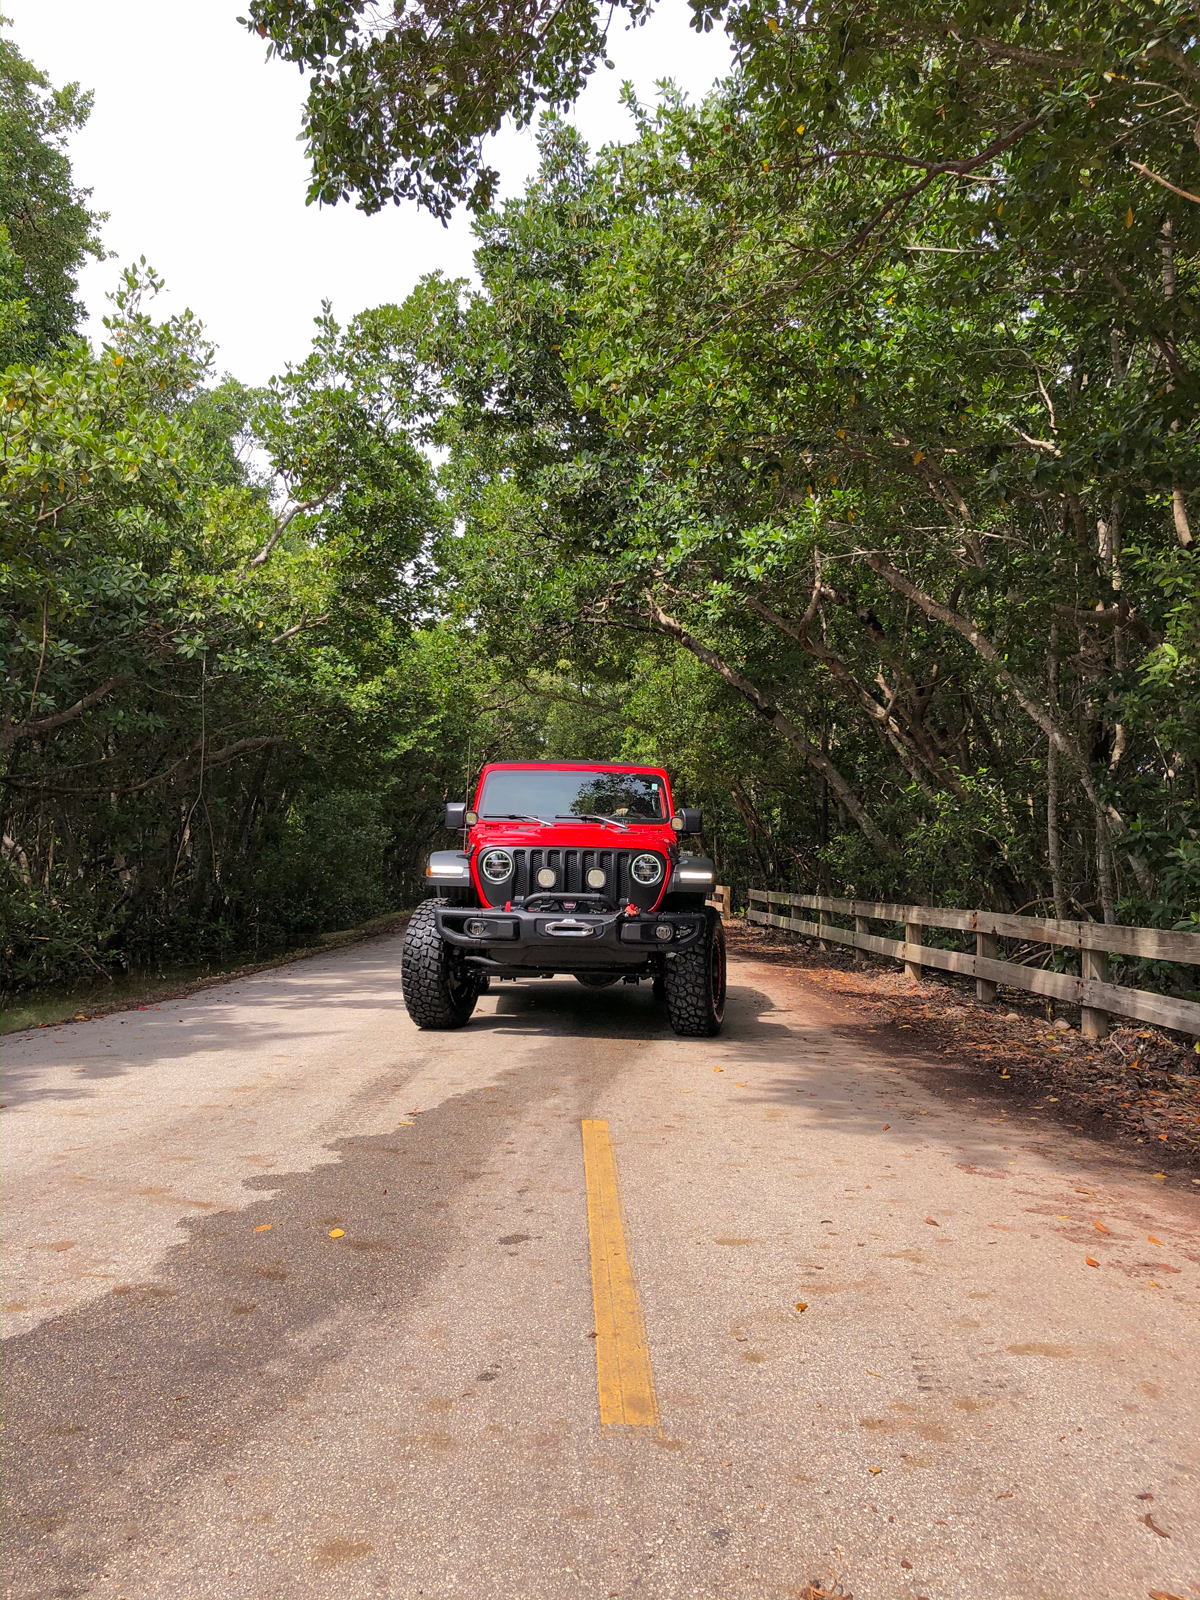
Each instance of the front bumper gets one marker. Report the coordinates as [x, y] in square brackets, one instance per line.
[567, 941]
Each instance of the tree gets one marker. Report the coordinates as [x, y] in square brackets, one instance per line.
[47, 230]
[204, 659]
[874, 499]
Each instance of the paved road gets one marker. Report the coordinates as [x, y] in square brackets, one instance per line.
[209, 1396]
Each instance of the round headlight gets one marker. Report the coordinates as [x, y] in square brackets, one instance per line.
[546, 877]
[646, 869]
[496, 865]
[596, 878]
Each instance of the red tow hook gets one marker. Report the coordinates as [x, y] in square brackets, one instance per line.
[508, 905]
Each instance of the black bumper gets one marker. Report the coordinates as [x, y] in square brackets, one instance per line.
[561, 941]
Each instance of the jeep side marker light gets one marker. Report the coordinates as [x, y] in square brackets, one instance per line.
[546, 877]
[694, 875]
[596, 878]
[450, 871]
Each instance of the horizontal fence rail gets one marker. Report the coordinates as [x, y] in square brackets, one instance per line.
[1095, 941]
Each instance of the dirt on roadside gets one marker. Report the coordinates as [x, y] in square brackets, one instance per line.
[1138, 1088]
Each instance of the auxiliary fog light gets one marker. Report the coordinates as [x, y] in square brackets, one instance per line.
[663, 931]
[547, 877]
[596, 878]
[476, 927]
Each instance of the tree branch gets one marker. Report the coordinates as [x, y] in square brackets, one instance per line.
[13, 732]
[1183, 194]
[777, 718]
[282, 524]
[301, 627]
[1034, 708]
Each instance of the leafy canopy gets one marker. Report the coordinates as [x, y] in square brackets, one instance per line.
[46, 227]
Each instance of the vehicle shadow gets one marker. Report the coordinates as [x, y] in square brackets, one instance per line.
[563, 1006]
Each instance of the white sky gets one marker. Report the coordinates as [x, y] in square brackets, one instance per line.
[192, 149]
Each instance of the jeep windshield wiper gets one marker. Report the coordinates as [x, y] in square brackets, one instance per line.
[518, 816]
[592, 816]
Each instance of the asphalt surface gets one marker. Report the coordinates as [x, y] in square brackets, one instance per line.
[207, 1395]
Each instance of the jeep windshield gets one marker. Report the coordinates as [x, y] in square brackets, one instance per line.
[587, 796]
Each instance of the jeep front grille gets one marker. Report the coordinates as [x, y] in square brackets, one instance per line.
[570, 868]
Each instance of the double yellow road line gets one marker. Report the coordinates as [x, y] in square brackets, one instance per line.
[623, 1374]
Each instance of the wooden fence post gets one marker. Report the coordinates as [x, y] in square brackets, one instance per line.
[862, 924]
[985, 945]
[912, 936]
[720, 900]
[1093, 1023]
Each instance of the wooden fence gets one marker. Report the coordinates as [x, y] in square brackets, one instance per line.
[1095, 941]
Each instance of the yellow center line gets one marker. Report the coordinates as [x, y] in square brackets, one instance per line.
[623, 1376]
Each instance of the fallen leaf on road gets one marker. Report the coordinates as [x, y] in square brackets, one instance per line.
[907, 1565]
[933, 1222]
[264, 1227]
[718, 1069]
[1099, 1226]
[81, 1017]
[739, 1085]
[886, 1126]
[1161, 1594]
[801, 1305]
[875, 1469]
[1153, 1240]
[1163, 1267]
[1154, 1527]
[871, 1374]
[336, 1233]
[1006, 1496]
[1091, 1262]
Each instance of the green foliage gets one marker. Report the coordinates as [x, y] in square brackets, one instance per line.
[205, 693]
[920, 506]
[400, 111]
[46, 228]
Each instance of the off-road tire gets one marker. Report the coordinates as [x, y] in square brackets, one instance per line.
[439, 990]
[597, 980]
[695, 982]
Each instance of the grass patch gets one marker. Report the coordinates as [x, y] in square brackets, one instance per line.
[49, 1007]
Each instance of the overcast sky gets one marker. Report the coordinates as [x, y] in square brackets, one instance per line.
[192, 149]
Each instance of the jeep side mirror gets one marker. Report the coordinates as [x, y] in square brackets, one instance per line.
[456, 813]
[687, 820]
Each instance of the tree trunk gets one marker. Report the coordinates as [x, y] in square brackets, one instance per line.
[1053, 836]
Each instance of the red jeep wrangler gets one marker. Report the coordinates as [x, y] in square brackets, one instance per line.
[575, 867]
